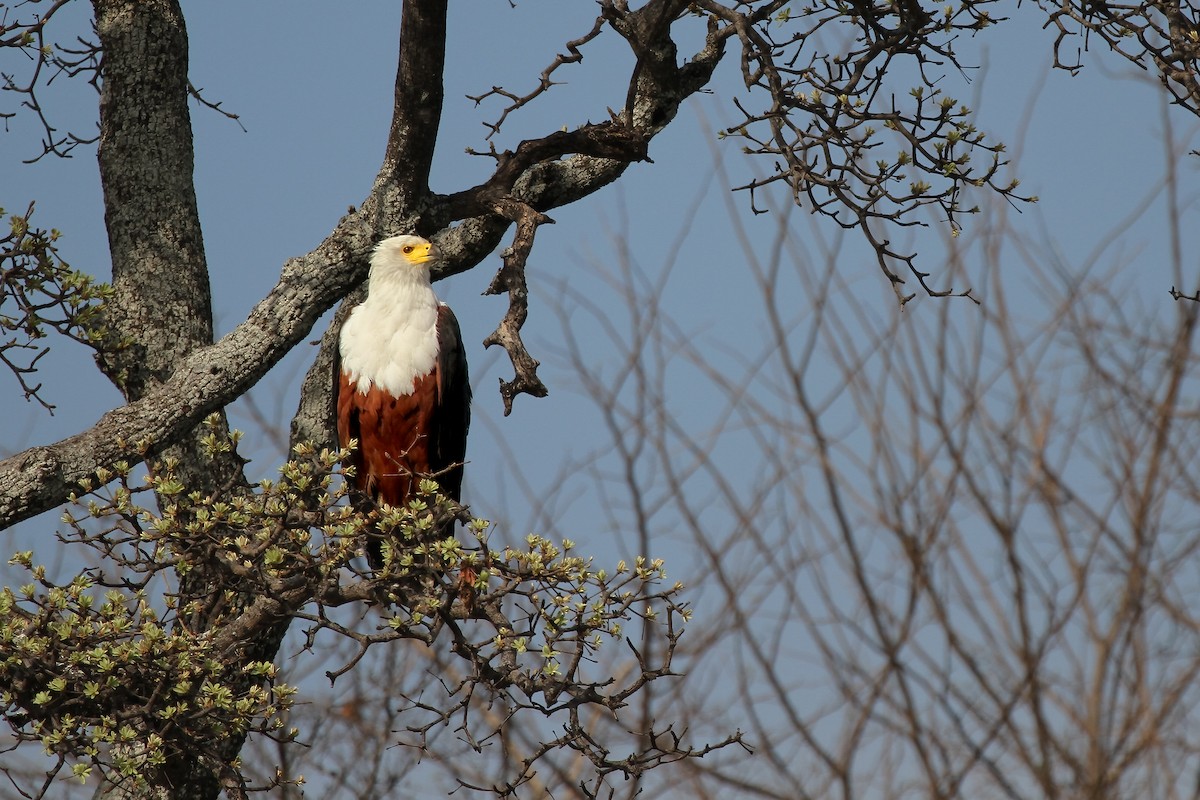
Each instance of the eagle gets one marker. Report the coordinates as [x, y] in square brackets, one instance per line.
[401, 386]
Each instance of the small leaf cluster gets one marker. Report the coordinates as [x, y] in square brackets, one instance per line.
[39, 293]
[103, 678]
[553, 620]
[570, 609]
[117, 676]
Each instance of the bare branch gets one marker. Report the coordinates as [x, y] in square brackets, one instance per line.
[613, 140]
[545, 80]
[1178, 295]
[1161, 35]
[48, 61]
[511, 279]
[198, 96]
[841, 140]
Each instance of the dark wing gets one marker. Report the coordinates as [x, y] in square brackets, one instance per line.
[453, 415]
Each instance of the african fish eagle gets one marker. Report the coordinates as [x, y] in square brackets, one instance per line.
[402, 388]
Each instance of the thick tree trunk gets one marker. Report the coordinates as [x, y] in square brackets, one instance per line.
[162, 308]
[162, 297]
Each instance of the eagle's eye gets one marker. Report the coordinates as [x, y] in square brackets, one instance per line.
[408, 248]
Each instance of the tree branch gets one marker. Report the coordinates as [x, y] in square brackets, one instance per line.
[417, 112]
[609, 140]
[29, 36]
[39, 478]
[511, 279]
[545, 81]
[535, 175]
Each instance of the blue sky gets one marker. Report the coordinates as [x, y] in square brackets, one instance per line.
[312, 84]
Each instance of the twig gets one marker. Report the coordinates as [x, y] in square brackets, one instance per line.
[215, 106]
[544, 83]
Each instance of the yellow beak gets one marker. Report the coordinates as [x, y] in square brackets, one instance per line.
[425, 253]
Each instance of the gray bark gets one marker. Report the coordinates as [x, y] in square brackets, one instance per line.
[162, 303]
[167, 365]
[161, 310]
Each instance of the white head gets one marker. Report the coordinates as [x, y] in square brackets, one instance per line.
[401, 257]
[390, 339]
